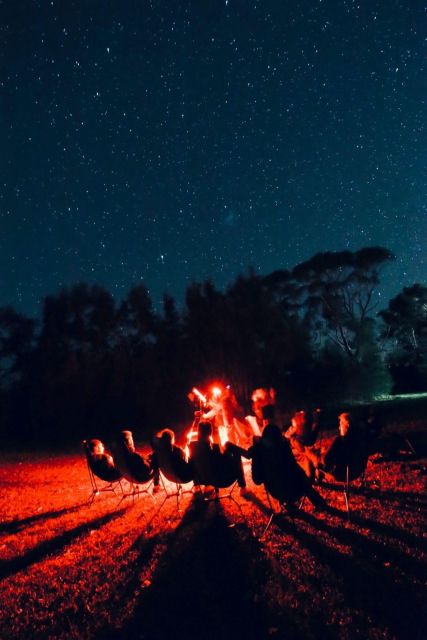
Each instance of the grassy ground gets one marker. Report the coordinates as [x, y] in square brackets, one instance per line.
[70, 570]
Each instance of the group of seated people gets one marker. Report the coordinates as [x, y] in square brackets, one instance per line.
[288, 464]
[348, 451]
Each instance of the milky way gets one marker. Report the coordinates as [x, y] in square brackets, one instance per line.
[166, 142]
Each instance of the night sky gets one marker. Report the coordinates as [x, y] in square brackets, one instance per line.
[167, 141]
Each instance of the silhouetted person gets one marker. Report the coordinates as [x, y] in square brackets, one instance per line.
[373, 427]
[261, 398]
[101, 462]
[302, 435]
[134, 466]
[274, 465]
[210, 465]
[348, 449]
[170, 459]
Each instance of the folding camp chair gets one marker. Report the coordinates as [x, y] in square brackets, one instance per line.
[101, 466]
[211, 468]
[134, 467]
[274, 466]
[172, 467]
[354, 469]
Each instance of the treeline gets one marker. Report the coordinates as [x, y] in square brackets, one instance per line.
[91, 366]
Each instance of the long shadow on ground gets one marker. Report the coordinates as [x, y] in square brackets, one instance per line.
[16, 525]
[204, 586]
[56, 544]
[367, 583]
[364, 577]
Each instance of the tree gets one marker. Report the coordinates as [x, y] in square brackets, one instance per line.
[17, 343]
[69, 387]
[171, 374]
[269, 342]
[405, 331]
[405, 321]
[242, 336]
[80, 320]
[133, 384]
[17, 340]
[205, 324]
[337, 291]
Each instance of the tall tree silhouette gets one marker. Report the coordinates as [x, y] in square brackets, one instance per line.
[205, 329]
[337, 290]
[405, 321]
[269, 342]
[134, 359]
[171, 372]
[17, 337]
[75, 340]
[405, 330]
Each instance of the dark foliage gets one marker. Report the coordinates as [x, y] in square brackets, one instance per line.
[405, 332]
[95, 366]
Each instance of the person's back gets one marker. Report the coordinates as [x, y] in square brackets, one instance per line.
[201, 457]
[134, 466]
[171, 458]
[347, 451]
[210, 465]
[284, 479]
[274, 465]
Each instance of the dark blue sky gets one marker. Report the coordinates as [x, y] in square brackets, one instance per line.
[167, 142]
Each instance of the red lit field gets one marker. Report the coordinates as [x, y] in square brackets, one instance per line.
[70, 570]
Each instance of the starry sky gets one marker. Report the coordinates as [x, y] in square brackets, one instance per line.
[167, 141]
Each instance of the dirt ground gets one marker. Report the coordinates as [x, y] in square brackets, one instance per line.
[108, 570]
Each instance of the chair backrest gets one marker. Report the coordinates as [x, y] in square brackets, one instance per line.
[274, 465]
[101, 465]
[132, 465]
[358, 460]
[352, 454]
[309, 437]
[171, 463]
[305, 427]
[211, 467]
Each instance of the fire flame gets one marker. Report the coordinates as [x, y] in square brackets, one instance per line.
[200, 395]
[216, 392]
[223, 435]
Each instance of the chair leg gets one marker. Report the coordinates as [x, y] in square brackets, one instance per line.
[218, 497]
[97, 490]
[270, 520]
[301, 502]
[272, 514]
[410, 446]
[136, 491]
[346, 502]
[176, 494]
[347, 489]
[93, 485]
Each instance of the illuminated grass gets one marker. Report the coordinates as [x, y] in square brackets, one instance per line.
[73, 571]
